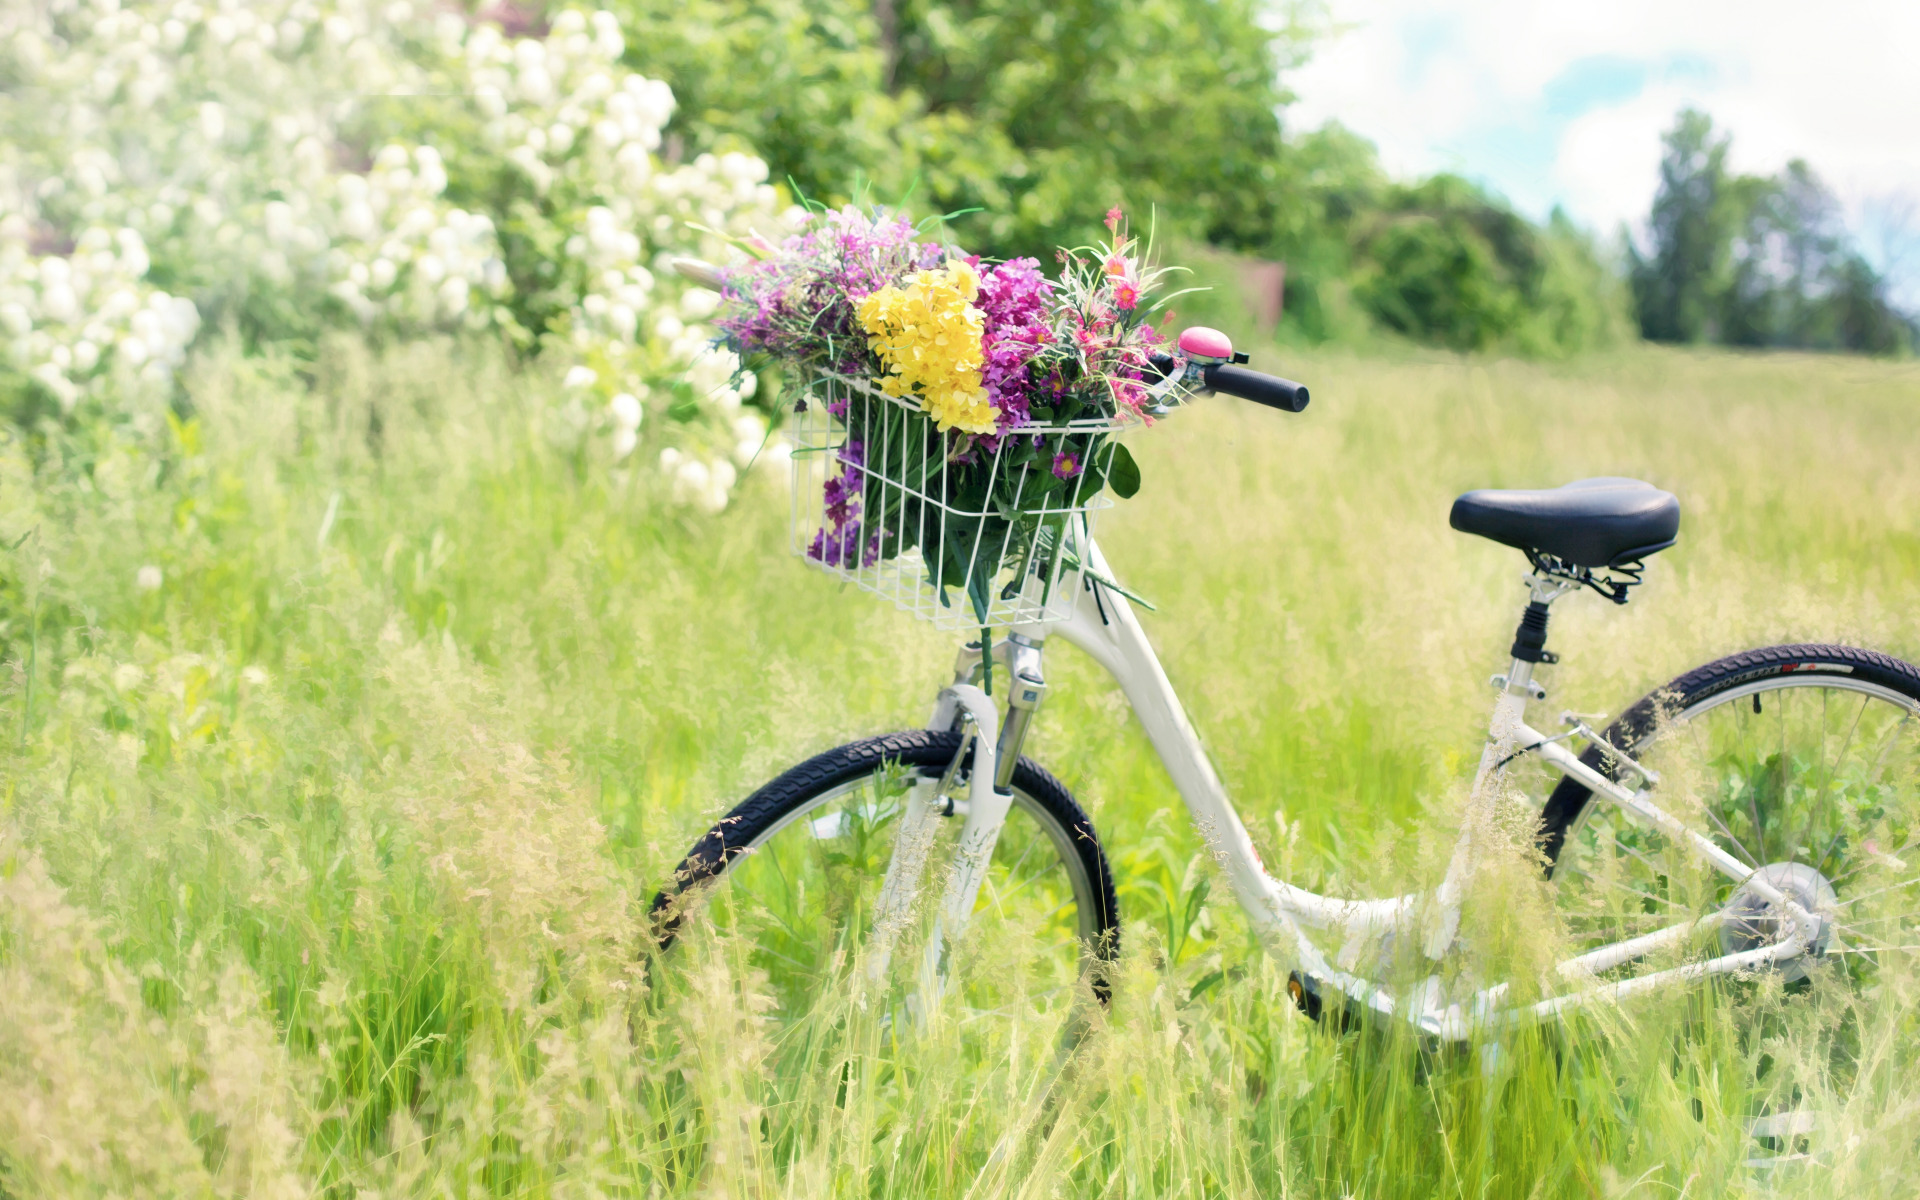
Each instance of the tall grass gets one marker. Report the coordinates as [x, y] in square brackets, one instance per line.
[323, 864]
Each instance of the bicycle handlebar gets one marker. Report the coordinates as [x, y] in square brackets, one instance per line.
[1270, 390]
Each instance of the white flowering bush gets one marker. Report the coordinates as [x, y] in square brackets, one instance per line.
[400, 253]
[83, 323]
[581, 132]
[171, 167]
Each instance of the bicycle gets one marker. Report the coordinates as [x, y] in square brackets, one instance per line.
[1785, 856]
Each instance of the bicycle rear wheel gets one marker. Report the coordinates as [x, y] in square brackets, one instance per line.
[1801, 761]
[795, 872]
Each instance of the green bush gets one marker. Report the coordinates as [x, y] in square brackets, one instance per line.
[1444, 262]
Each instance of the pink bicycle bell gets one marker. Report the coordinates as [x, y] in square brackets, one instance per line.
[1206, 346]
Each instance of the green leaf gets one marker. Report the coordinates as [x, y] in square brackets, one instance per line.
[1123, 475]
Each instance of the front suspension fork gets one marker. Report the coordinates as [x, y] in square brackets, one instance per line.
[996, 738]
[1017, 661]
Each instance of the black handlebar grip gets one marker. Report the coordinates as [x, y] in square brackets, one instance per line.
[1270, 390]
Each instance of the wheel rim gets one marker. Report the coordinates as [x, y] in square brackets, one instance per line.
[1821, 784]
[800, 905]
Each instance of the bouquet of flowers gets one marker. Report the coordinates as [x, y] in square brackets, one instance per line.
[974, 405]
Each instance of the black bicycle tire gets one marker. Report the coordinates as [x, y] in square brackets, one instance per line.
[1570, 796]
[922, 749]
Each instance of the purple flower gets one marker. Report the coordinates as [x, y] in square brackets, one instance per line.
[840, 548]
[842, 495]
[1066, 464]
[1016, 300]
[788, 305]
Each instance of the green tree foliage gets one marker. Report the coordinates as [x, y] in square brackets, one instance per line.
[1444, 262]
[1695, 212]
[1039, 117]
[1755, 261]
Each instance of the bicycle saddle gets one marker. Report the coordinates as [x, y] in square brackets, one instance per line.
[1602, 522]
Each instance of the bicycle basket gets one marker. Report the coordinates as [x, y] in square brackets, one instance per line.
[992, 539]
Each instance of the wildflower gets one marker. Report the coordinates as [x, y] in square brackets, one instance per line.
[842, 494]
[929, 339]
[1066, 464]
[1124, 277]
[1114, 217]
[841, 548]
[1016, 301]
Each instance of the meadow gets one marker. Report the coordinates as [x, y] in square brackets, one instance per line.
[350, 735]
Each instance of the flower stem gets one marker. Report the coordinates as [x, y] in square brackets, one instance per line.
[986, 660]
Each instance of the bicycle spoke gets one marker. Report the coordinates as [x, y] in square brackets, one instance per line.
[1910, 844]
[1892, 887]
[1880, 761]
[1745, 854]
[1813, 782]
[1013, 872]
[1880, 920]
[1618, 886]
[1825, 779]
[1642, 859]
[801, 903]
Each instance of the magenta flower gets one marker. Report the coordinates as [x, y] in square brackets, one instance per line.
[1066, 465]
[1017, 301]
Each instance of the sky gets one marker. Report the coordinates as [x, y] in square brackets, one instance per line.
[1564, 103]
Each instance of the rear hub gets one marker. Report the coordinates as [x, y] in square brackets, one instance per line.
[1752, 922]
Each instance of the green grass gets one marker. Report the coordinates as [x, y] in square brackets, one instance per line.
[323, 866]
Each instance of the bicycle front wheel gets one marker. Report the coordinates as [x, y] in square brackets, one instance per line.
[1803, 762]
[794, 876]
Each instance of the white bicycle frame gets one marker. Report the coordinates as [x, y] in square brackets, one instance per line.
[1285, 917]
[1288, 919]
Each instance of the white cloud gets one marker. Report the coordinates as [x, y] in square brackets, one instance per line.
[1471, 87]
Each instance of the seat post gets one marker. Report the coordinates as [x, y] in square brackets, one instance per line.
[1530, 638]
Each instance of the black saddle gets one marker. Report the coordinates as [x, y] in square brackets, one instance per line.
[1604, 522]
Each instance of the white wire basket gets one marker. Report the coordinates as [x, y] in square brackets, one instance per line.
[877, 503]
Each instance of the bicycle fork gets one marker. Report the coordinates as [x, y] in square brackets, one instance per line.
[995, 743]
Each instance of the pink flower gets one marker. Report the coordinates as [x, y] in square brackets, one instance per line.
[1066, 465]
[1135, 399]
[1113, 219]
[1126, 295]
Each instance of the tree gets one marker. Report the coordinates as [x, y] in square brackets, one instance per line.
[1038, 117]
[1755, 260]
[1676, 287]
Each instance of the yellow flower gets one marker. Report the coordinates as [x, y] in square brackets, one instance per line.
[928, 336]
